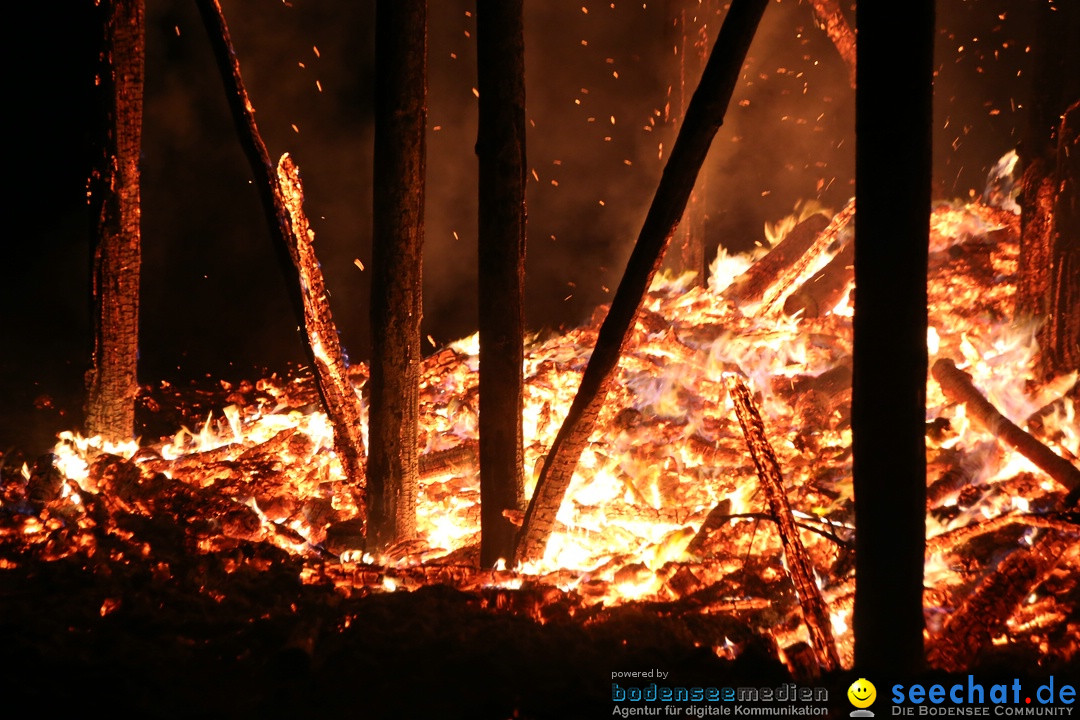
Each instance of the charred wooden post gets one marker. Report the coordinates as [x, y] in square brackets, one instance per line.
[703, 118]
[970, 628]
[815, 612]
[111, 381]
[1048, 287]
[893, 118]
[500, 147]
[958, 387]
[1060, 337]
[396, 286]
[282, 196]
[830, 16]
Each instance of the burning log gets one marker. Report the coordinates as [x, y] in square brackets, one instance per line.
[282, 198]
[958, 387]
[768, 278]
[1060, 522]
[752, 285]
[821, 292]
[815, 612]
[830, 16]
[969, 629]
[704, 117]
[451, 460]
[832, 383]
[716, 518]
[46, 482]
[331, 375]
[1036, 422]
[111, 381]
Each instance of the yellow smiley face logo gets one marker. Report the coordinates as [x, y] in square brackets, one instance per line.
[862, 693]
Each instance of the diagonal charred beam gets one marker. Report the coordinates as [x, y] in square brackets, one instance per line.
[820, 293]
[704, 117]
[262, 167]
[830, 16]
[282, 196]
[958, 387]
[111, 381]
[339, 398]
[815, 612]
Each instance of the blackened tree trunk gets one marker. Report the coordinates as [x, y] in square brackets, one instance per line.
[400, 157]
[1049, 268]
[116, 245]
[500, 147]
[892, 119]
[1061, 339]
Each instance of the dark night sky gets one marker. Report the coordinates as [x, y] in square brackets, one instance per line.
[213, 298]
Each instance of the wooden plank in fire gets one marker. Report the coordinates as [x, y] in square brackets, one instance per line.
[770, 277]
[282, 197]
[338, 395]
[815, 611]
[951, 539]
[958, 387]
[970, 628]
[825, 288]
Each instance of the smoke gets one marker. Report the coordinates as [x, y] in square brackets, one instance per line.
[598, 79]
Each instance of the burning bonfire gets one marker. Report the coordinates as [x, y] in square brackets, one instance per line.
[667, 510]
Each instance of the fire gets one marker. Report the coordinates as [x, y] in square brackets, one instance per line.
[668, 451]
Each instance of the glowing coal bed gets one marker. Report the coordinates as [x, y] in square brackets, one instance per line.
[229, 557]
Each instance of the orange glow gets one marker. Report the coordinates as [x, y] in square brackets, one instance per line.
[667, 450]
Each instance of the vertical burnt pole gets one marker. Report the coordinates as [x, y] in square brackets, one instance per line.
[111, 381]
[894, 80]
[500, 148]
[397, 244]
[1048, 288]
